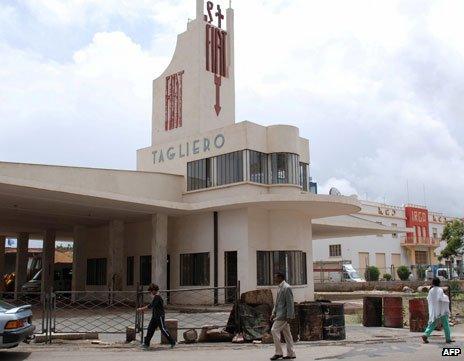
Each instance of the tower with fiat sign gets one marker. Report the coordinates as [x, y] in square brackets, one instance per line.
[196, 92]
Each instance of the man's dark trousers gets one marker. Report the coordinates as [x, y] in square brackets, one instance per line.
[157, 322]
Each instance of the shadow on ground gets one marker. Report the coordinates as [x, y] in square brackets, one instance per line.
[14, 355]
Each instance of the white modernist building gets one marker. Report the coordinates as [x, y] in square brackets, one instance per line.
[418, 246]
[212, 201]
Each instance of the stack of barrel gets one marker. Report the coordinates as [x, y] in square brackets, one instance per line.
[383, 311]
[418, 314]
[321, 321]
[388, 312]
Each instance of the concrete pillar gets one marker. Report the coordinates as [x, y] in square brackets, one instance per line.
[159, 250]
[116, 255]
[2, 262]
[22, 257]
[48, 260]
[79, 273]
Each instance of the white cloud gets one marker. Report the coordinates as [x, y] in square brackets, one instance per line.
[94, 108]
[375, 86]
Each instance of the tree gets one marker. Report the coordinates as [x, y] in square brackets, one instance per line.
[453, 235]
[372, 273]
[403, 273]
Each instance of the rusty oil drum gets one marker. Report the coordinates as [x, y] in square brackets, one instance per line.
[311, 321]
[393, 312]
[372, 312]
[334, 321]
[294, 325]
[418, 314]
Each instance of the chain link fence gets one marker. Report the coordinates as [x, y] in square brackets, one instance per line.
[112, 312]
[93, 311]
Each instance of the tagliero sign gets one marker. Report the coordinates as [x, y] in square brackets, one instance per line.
[186, 149]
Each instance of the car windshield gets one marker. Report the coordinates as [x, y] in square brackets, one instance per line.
[353, 274]
[5, 306]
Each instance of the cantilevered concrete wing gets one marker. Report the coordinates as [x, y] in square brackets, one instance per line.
[349, 226]
[37, 197]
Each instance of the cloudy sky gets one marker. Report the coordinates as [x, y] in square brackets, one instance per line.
[376, 86]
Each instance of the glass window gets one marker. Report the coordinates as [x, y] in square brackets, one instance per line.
[335, 250]
[229, 168]
[258, 167]
[130, 271]
[304, 170]
[194, 269]
[96, 271]
[291, 263]
[313, 187]
[421, 257]
[285, 168]
[145, 270]
[199, 174]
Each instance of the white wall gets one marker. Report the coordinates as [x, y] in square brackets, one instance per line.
[352, 246]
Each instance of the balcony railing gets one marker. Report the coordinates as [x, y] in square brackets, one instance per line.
[415, 240]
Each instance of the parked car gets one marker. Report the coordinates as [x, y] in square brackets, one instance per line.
[441, 272]
[350, 274]
[15, 325]
[62, 279]
[335, 271]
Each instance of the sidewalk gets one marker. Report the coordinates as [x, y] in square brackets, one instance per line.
[355, 334]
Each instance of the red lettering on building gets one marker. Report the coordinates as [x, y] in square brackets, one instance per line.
[417, 218]
[173, 101]
[216, 50]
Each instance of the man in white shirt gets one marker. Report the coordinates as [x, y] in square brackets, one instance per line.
[438, 310]
[283, 312]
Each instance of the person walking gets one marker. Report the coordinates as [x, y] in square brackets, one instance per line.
[157, 319]
[283, 312]
[439, 309]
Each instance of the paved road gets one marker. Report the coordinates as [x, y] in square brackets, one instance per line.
[409, 350]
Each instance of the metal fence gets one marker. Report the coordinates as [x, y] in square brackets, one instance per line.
[195, 308]
[325, 274]
[112, 312]
[93, 311]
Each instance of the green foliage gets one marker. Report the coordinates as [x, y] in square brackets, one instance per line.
[454, 286]
[387, 277]
[453, 234]
[403, 273]
[421, 272]
[372, 274]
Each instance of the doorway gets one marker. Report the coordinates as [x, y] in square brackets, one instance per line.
[231, 277]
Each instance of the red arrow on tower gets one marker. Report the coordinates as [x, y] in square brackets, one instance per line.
[217, 106]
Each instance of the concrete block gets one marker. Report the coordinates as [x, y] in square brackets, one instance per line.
[172, 325]
[258, 297]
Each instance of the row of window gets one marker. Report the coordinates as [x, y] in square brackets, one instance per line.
[247, 165]
[292, 263]
[195, 269]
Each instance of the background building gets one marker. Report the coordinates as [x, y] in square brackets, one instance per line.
[418, 247]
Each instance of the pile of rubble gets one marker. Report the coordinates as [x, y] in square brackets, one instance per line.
[249, 321]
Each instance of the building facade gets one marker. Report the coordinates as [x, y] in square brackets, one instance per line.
[417, 247]
[212, 202]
